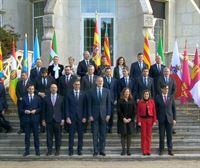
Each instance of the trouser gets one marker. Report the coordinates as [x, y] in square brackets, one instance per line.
[99, 135]
[146, 134]
[126, 142]
[110, 123]
[53, 129]
[31, 126]
[76, 124]
[165, 127]
[20, 116]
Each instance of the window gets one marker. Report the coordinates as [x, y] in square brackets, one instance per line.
[100, 6]
[38, 13]
[106, 15]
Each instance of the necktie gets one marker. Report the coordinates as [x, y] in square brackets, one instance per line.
[76, 95]
[91, 81]
[158, 66]
[146, 81]
[30, 99]
[53, 99]
[67, 79]
[141, 66]
[38, 71]
[99, 94]
[166, 80]
[126, 80]
[24, 83]
[87, 63]
[165, 99]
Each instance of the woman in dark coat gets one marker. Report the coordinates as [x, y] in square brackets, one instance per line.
[118, 70]
[126, 118]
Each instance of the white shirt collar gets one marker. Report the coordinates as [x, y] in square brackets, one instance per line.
[53, 95]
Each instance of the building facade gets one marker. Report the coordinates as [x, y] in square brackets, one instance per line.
[127, 21]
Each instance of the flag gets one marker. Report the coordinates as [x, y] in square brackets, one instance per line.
[147, 59]
[106, 52]
[1, 65]
[161, 50]
[13, 76]
[185, 87]
[96, 44]
[195, 80]
[54, 49]
[25, 56]
[176, 70]
[36, 50]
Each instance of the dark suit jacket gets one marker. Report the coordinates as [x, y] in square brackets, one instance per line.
[171, 84]
[141, 87]
[51, 72]
[64, 87]
[132, 86]
[135, 71]
[99, 109]
[101, 70]
[34, 74]
[51, 112]
[82, 68]
[167, 110]
[86, 85]
[112, 87]
[21, 91]
[34, 105]
[155, 74]
[75, 109]
[3, 100]
[39, 87]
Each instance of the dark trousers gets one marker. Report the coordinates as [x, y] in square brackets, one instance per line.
[126, 142]
[76, 125]
[110, 123]
[4, 123]
[53, 129]
[20, 116]
[31, 126]
[99, 135]
[165, 127]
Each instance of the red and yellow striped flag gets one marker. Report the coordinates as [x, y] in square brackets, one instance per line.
[96, 45]
[106, 44]
[147, 59]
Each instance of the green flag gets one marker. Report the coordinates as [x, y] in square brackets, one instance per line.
[54, 49]
[161, 50]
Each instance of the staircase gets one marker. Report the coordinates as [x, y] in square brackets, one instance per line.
[186, 141]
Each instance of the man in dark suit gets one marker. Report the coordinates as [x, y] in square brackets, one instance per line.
[126, 81]
[66, 81]
[75, 116]
[82, 66]
[166, 115]
[166, 79]
[88, 82]
[21, 91]
[36, 72]
[3, 107]
[42, 87]
[56, 69]
[111, 84]
[137, 67]
[53, 118]
[156, 71]
[30, 108]
[99, 112]
[144, 83]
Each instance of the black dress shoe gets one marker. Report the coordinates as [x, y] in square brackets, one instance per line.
[160, 153]
[173, 132]
[95, 154]
[79, 153]
[148, 154]
[170, 153]
[20, 131]
[37, 153]
[128, 153]
[123, 153]
[26, 154]
[49, 153]
[57, 153]
[102, 154]
[71, 153]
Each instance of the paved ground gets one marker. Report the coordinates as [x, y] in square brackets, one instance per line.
[98, 164]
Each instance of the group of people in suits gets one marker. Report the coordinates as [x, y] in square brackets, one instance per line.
[56, 97]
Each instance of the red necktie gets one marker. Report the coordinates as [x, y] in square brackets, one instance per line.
[165, 99]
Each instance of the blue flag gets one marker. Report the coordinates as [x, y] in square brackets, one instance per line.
[25, 56]
[36, 51]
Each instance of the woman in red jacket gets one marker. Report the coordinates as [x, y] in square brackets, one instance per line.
[146, 118]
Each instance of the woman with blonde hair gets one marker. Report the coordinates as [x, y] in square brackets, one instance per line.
[146, 118]
[126, 117]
